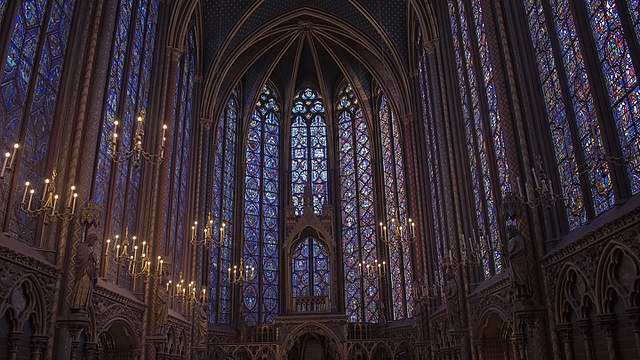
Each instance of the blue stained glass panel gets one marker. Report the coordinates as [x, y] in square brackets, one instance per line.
[621, 79]
[308, 150]
[358, 224]
[261, 229]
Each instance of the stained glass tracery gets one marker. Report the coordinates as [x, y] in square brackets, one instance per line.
[29, 87]
[399, 253]
[223, 203]
[261, 199]
[477, 140]
[308, 150]
[357, 200]
[621, 79]
[310, 274]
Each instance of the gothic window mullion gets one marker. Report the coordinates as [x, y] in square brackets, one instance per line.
[489, 140]
[30, 86]
[578, 154]
[627, 24]
[606, 104]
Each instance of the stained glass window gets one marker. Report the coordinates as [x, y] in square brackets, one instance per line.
[178, 229]
[261, 211]
[433, 164]
[399, 252]
[3, 6]
[126, 96]
[620, 76]
[310, 275]
[223, 202]
[561, 67]
[358, 223]
[484, 143]
[308, 150]
[29, 86]
[559, 112]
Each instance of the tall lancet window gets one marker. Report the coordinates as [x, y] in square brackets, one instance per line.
[223, 203]
[308, 150]
[261, 211]
[34, 55]
[571, 113]
[359, 240]
[310, 274]
[489, 173]
[395, 196]
[126, 96]
[180, 160]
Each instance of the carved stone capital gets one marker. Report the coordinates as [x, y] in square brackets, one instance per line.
[305, 26]
[608, 323]
[406, 119]
[206, 123]
[174, 54]
[565, 331]
[431, 45]
[12, 342]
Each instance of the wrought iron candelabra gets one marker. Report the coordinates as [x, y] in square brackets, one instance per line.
[136, 152]
[49, 201]
[397, 233]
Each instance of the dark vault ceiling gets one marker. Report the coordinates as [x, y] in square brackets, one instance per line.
[294, 42]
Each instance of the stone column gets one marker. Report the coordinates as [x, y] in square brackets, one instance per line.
[12, 342]
[90, 350]
[565, 332]
[38, 346]
[608, 324]
[587, 333]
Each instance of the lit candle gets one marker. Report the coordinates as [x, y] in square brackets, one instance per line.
[168, 284]
[106, 252]
[144, 243]
[4, 165]
[44, 191]
[24, 195]
[31, 192]
[117, 250]
[73, 204]
[55, 203]
[135, 252]
[535, 177]
[229, 275]
[13, 155]
[73, 188]
[164, 131]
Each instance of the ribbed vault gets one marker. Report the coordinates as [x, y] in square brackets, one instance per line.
[246, 41]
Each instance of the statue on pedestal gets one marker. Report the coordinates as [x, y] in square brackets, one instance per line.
[517, 256]
[85, 274]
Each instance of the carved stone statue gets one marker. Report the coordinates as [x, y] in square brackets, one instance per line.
[201, 324]
[161, 310]
[85, 274]
[517, 262]
[451, 295]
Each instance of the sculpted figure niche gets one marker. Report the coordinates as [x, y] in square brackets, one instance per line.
[86, 274]
[517, 263]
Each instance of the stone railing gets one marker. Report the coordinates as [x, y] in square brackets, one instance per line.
[311, 304]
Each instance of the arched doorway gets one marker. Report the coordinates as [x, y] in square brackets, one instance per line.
[118, 343]
[312, 346]
[496, 340]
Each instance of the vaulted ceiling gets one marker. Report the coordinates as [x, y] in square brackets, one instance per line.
[295, 42]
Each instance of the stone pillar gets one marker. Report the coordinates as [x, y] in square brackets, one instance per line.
[587, 333]
[608, 324]
[90, 350]
[12, 342]
[565, 332]
[38, 346]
